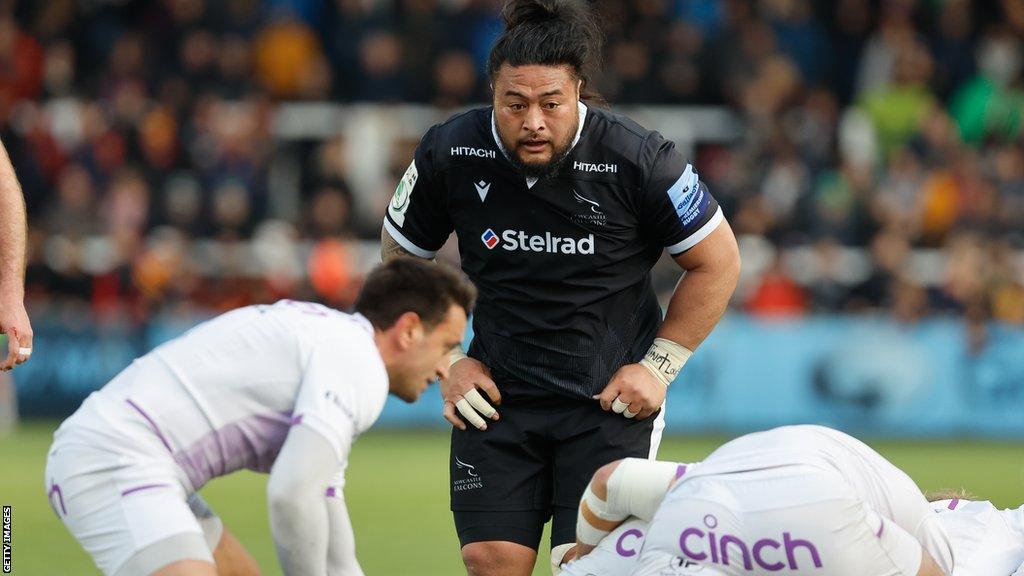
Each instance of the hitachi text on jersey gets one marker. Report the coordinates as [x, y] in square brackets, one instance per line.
[479, 152]
[587, 167]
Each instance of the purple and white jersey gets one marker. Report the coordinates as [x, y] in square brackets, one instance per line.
[875, 480]
[987, 541]
[798, 496]
[223, 396]
[618, 554]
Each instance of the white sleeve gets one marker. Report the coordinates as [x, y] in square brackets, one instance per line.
[213, 527]
[299, 519]
[341, 550]
[329, 397]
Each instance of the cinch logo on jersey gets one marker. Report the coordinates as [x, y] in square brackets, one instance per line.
[637, 538]
[515, 240]
[587, 167]
[478, 152]
[767, 553]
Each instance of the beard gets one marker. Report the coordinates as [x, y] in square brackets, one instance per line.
[539, 170]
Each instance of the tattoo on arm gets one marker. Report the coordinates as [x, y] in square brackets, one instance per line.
[390, 248]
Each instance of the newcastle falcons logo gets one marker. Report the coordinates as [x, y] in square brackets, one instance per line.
[583, 200]
[592, 215]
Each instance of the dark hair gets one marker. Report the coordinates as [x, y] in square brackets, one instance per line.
[548, 32]
[412, 285]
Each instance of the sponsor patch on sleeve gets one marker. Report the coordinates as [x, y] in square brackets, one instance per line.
[689, 197]
[403, 193]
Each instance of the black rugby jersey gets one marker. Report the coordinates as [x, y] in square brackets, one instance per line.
[562, 267]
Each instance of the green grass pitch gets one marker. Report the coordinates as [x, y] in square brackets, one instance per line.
[398, 497]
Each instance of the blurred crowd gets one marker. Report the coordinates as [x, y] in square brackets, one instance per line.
[142, 134]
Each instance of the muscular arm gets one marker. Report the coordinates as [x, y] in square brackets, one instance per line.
[712, 269]
[13, 231]
[299, 519]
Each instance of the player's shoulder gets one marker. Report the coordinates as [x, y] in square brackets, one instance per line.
[316, 323]
[620, 141]
[466, 136]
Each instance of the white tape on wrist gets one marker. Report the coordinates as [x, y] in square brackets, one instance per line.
[455, 355]
[665, 359]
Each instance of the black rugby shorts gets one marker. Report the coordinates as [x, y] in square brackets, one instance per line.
[534, 463]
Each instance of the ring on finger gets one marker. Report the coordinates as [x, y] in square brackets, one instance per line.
[629, 414]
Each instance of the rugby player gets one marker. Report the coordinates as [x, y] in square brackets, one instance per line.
[561, 208]
[791, 500]
[283, 388]
[986, 541]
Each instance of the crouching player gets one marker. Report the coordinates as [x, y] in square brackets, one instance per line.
[793, 500]
[283, 388]
[987, 541]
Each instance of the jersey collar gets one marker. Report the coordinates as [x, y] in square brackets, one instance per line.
[581, 109]
[363, 322]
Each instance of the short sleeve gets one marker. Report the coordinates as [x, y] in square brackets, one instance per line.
[338, 396]
[417, 216]
[676, 208]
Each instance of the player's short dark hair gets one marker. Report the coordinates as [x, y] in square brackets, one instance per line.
[548, 32]
[412, 285]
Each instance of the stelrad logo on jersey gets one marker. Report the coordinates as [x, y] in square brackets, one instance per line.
[520, 240]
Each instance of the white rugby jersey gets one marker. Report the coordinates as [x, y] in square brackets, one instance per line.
[223, 396]
[775, 454]
[987, 541]
[875, 480]
[618, 554]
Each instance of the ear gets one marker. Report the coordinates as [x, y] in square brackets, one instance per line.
[406, 328]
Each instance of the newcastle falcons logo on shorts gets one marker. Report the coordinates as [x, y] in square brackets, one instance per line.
[470, 469]
[468, 478]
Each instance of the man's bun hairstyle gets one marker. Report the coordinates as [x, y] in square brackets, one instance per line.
[548, 32]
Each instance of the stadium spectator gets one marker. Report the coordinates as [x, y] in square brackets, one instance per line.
[180, 94]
